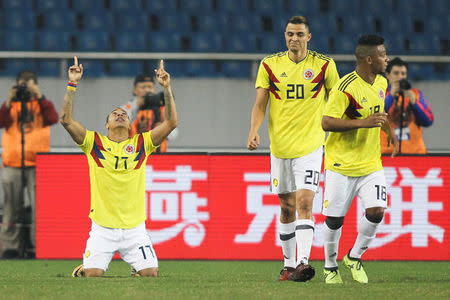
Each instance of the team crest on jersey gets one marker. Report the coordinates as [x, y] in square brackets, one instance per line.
[129, 149]
[308, 74]
[381, 94]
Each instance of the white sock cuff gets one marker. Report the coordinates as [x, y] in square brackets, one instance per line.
[367, 228]
[287, 227]
[304, 224]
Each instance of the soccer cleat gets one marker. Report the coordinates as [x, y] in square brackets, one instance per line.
[302, 273]
[78, 271]
[134, 273]
[332, 276]
[285, 272]
[356, 267]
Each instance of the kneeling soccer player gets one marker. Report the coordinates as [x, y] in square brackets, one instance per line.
[117, 178]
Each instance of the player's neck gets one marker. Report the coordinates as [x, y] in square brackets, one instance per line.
[118, 134]
[366, 74]
[297, 56]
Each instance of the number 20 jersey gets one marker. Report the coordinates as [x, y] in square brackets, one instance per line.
[297, 100]
[117, 178]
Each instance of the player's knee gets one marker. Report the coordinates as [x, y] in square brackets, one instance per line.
[375, 214]
[334, 223]
[305, 206]
[287, 206]
[305, 200]
[374, 218]
[150, 272]
[93, 272]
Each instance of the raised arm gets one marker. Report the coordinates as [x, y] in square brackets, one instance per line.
[258, 114]
[161, 131]
[76, 130]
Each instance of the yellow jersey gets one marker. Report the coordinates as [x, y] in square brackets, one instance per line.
[297, 94]
[117, 178]
[356, 152]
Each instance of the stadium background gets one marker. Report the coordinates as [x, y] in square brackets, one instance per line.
[212, 49]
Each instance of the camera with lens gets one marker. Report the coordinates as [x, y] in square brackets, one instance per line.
[152, 101]
[404, 84]
[22, 93]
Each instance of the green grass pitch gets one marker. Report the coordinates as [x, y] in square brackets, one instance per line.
[50, 279]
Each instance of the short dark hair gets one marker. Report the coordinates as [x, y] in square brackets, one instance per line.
[143, 78]
[26, 75]
[366, 44]
[298, 20]
[370, 40]
[395, 62]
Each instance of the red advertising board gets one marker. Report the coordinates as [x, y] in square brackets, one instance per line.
[203, 206]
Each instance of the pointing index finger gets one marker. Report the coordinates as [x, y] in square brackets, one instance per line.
[75, 60]
[161, 64]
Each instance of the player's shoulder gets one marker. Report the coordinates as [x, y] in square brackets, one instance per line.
[274, 57]
[346, 81]
[381, 80]
[316, 55]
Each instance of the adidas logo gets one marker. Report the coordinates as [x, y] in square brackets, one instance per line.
[363, 100]
[364, 248]
[283, 74]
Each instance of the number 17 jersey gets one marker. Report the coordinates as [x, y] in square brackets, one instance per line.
[117, 178]
[297, 94]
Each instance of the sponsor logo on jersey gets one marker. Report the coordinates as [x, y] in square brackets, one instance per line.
[308, 74]
[129, 149]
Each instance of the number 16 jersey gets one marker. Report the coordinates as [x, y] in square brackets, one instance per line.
[117, 178]
[297, 94]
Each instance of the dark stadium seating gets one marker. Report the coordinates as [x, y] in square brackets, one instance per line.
[49, 68]
[52, 40]
[411, 27]
[125, 68]
[130, 41]
[19, 19]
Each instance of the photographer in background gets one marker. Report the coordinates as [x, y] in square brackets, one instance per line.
[408, 111]
[26, 117]
[146, 110]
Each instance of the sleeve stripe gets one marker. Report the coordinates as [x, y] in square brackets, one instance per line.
[346, 82]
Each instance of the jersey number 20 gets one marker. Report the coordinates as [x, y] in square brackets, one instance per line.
[295, 91]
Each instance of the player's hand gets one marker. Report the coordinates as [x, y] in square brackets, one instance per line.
[253, 141]
[375, 120]
[76, 71]
[162, 76]
[392, 139]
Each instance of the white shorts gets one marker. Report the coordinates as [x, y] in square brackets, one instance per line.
[340, 190]
[134, 246]
[292, 174]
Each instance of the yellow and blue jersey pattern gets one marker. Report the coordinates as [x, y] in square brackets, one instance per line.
[297, 93]
[355, 153]
[117, 178]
